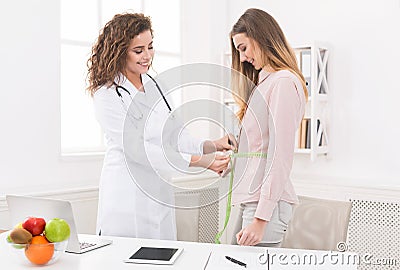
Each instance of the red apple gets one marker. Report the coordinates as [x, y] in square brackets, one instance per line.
[34, 225]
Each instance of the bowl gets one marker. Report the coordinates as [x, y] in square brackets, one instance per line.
[38, 254]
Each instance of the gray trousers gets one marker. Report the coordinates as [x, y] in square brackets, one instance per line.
[276, 227]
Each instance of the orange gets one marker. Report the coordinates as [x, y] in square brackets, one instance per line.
[39, 251]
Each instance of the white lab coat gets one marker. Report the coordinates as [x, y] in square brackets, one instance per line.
[134, 198]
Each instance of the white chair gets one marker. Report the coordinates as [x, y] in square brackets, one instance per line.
[318, 224]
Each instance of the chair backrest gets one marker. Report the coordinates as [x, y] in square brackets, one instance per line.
[199, 222]
[318, 224]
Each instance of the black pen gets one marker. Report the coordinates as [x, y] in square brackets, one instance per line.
[236, 261]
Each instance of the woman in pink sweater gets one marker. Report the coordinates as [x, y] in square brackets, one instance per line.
[271, 93]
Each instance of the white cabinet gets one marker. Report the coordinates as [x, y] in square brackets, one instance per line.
[312, 136]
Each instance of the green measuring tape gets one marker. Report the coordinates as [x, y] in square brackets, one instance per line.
[228, 203]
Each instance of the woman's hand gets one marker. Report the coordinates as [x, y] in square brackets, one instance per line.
[215, 162]
[252, 234]
[228, 142]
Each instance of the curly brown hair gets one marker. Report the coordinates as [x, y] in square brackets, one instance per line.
[109, 53]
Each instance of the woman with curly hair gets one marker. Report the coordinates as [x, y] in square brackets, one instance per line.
[117, 74]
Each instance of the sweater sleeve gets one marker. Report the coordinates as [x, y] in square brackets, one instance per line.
[284, 105]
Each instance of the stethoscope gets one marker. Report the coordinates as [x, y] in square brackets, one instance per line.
[140, 116]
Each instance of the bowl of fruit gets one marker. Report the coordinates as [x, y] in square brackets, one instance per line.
[38, 242]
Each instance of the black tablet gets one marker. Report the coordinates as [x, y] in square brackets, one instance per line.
[154, 255]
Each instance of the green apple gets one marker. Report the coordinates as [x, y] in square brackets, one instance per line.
[19, 246]
[9, 239]
[57, 230]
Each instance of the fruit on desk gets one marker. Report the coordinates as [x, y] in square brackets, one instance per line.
[57, 230]
[20, 236]
[39, 251]
[19, 225]
[34, 225]
[8, 239]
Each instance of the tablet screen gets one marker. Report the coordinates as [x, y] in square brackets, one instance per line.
[152, 253]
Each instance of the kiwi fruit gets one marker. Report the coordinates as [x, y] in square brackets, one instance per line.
[20, 236]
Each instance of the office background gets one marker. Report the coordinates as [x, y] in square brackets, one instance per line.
[363, 106]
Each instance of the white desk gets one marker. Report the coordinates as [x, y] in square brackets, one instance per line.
[194, 256]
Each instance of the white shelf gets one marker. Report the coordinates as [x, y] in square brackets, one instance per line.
[313, 61]
[302, 151]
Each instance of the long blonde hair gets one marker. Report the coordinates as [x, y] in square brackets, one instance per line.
[108, 57]
[263, 29]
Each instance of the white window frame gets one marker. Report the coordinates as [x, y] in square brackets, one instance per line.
[100, 149]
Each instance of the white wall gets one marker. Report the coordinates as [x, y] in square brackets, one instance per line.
[30, 160]
[363, 72]
[363, 76]
[204, 36]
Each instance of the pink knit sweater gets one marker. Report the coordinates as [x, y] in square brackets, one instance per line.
[274, 113]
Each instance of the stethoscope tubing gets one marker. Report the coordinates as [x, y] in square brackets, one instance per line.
[158, 88]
